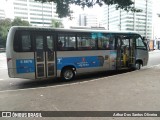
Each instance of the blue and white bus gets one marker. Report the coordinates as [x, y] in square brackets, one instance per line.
[41, 53]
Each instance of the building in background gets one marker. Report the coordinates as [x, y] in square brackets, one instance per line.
[82, 20]
[2, 14]
[2, 9]
[36, 13]
[88, 20]
[128, 21]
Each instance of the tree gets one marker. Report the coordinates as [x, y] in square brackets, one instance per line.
[56, 23]
[5, 25]
[63, 8]
[18, 22]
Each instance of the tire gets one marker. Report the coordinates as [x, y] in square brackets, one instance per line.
[138, 66]
[67, 74]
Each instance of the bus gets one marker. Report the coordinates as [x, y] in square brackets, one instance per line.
[42, 53]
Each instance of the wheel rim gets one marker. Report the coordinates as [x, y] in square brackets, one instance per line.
[138, 66]
[68, 74]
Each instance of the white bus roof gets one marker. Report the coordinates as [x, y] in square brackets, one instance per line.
[69, 30]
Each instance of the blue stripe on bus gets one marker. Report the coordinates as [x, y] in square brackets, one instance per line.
[80, 62]
[25, 66]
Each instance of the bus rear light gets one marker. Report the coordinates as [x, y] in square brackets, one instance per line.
[8, 59]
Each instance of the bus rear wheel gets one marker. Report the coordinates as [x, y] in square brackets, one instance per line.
[68, 74]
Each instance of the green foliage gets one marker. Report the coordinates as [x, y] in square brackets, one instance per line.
[63, 9]
[5, 25]
[19, 22]
[56, 23]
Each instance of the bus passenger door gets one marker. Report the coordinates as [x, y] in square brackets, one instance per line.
[125, 51]
[119, 53]
[131, 57]
[44, 56]
[50, 56]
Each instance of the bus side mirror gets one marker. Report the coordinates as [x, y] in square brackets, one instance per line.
[144, 39]
[146, 42]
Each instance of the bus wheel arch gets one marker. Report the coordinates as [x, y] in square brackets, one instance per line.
[138, 64]
[68, 73]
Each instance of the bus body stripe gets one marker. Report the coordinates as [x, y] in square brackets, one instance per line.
[80, 62]
[25, 66]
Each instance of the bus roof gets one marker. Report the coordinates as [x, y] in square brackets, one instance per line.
[69, 29]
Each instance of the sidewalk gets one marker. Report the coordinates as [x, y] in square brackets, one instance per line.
[153, 51]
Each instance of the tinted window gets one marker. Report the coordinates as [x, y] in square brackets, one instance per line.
[39, 42]
[26, 42]
[66, 42]
[23, 42]
[50, 42]
[106, 42]
[86, 41]
[140, 44]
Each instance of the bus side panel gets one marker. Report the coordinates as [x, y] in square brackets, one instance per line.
[20, 64]
[87, 61]
[142, 55]
[9, 52]
[112, 59]
[23, 65]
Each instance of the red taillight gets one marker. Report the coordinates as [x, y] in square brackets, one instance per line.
[8, 59]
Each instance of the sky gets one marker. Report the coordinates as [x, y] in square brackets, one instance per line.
[7, 7]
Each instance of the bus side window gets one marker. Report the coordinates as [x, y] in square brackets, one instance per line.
[39, 42]
[22, 42]
[86, 42]
[66, 42]
[50, 42]
[60, 44]
[26, 42]
[17, 42]
[112, 43]
[106, 42]
[140, 44]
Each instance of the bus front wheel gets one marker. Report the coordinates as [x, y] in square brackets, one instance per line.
[68, 74]
[138, 65]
